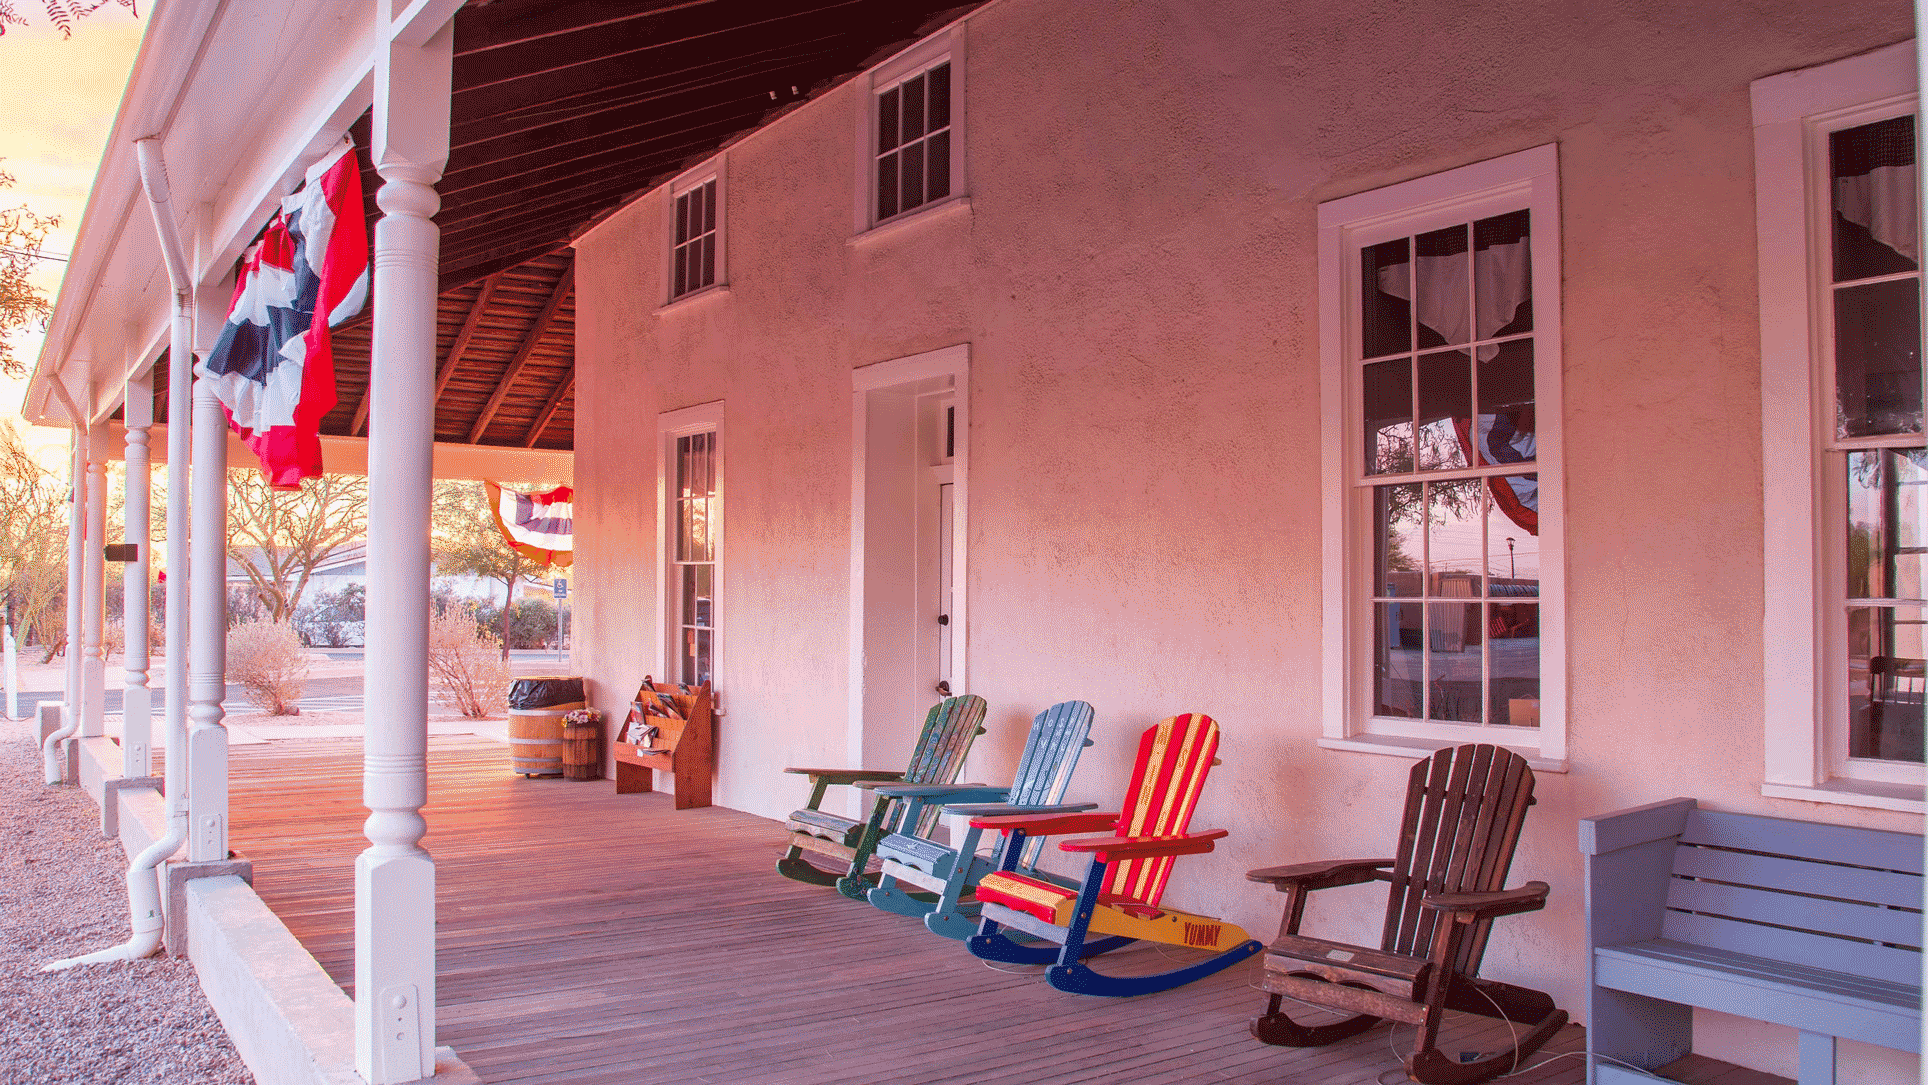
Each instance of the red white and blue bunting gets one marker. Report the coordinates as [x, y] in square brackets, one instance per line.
[540, 527]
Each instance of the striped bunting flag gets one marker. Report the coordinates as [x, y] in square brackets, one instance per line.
[540, 527]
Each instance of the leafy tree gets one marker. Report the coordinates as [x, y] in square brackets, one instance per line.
[61, 13]
[279, 537]
[21, 305]
[467, 543]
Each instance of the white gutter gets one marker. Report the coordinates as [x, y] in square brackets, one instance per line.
[143, 877]
[70, 716]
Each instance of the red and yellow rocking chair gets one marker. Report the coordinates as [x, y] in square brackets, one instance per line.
[1119, 897]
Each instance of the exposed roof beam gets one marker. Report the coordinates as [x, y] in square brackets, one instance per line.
[469, 323]
[564, 286]
[549, 409]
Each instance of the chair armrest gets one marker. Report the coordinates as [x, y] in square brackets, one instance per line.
[1324, 874]
[935, 792]
[1001, 809]
[1050, 824]
[847, 776]
[1111, 848]
[1530, 897]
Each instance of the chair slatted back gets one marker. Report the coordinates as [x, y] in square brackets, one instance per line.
[1058, 735]
[1174, 757]
[1464, 809]
[1849, 900]
[950, 728]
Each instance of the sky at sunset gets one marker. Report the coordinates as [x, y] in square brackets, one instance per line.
[61, 95]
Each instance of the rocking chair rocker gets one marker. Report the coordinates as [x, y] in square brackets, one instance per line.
[846, 843]
[1464, 807]
[1124, 882]
[943, 875]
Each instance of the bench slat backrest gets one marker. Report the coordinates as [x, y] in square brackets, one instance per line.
[1058, 735]
[1824, 896]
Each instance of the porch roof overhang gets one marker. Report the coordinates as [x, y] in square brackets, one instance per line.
[561, 113]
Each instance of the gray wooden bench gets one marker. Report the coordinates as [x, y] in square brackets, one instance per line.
[1816, 927]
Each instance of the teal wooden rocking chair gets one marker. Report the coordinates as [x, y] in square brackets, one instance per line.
[845, 844]
[945, 874]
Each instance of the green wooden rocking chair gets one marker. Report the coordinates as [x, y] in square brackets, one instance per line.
[845, 845]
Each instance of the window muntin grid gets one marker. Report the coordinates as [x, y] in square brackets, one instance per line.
[1874, 460]
[1447, 401]
[913, 154]
[693, 250]
[693, 564]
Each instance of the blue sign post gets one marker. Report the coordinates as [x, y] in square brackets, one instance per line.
[561, 588]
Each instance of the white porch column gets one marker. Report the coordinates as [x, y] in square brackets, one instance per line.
[137, 729]
[394, 877]
[93, 592]
[207, 743]
[76, 550]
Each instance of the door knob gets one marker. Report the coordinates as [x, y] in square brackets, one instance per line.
[943, 619]
[944, 688]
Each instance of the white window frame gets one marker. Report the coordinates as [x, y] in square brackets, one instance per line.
[715, 169]
[1803, 696]
[704, 417]
[945, 45]
[1525, 180]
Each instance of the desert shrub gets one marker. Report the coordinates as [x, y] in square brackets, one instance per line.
[532, 622]
[467, 662]
[266, 659]
[113, 640]
[334, 619]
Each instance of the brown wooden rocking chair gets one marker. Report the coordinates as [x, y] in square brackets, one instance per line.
[1464, 807]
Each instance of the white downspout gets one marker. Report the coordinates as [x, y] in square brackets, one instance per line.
[70, 716]
[143, 878]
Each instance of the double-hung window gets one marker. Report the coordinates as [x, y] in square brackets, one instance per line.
[1846, 473]
[912, 139]
[692, 539]
[1443, 579]
[695, 231]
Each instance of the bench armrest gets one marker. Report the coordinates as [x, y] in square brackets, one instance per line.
[1050, 824]
[1112, 848]
[1002, 809]
[934, 792]
[1324, 874]
[1530, 897]
[847, 776]
[1629, 828]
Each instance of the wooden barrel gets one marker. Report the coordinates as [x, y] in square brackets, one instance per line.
[582, 751]
[535, 739]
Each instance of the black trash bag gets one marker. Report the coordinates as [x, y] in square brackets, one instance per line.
[544, 692]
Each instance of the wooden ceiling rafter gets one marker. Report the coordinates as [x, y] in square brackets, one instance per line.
[564, 390]
[564, 286]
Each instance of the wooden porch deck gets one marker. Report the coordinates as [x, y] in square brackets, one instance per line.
[587, 937]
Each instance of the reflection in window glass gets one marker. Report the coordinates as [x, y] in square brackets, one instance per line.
[1388, 404]
[1445, 403]
[1885, 677]
[694, 573]
[1877, 358]
[1513, 632]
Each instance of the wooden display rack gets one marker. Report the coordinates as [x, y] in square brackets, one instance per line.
[683, 745]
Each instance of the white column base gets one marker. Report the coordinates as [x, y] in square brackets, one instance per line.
[207, 794]
[137, 731]
[394, 952]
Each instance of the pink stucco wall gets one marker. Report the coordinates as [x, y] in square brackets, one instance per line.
[1136, 278]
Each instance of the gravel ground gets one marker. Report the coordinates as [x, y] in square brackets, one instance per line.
[62, 893]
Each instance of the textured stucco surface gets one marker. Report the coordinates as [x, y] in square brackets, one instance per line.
[1136, 277]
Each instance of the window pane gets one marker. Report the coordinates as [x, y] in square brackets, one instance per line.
[1885, 677]
[1439, 283]
[1445, 409]
[940, 97]
[1886, 514]
[1877, 358]
[937, 179]
[1388, 406]
[682, 218]
[1512, 536]
[1876, 227]
[1456, 649]
[1455, 543]
[913, 108]
[700, 595]
[709, 262]
[689, 593]
[680, 263]
[1506, 416]
[1398, 545]
[689, 657]
[1503, 275]
[709, 206]
[1385, 290]
[887, 120]
[1513, 637]
[911, 162]
[702, 653]
[886, 186]
[1398, 686]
